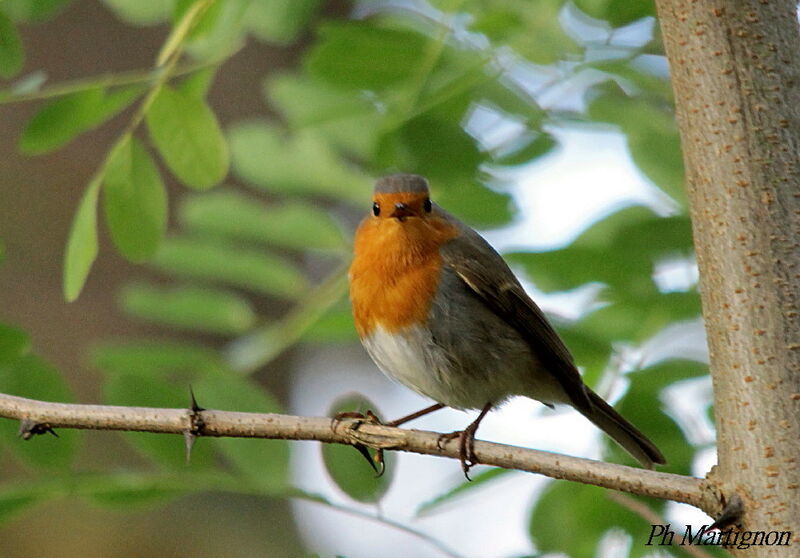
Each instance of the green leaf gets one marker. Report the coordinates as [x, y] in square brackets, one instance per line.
[347, 467]
[362, 56]
[657, 237]
[127, 496]
[168, 450]
[11, 54]
[439, 148]
[535, 34]
[234, 216]
[11, 504]
[525, 149]
[636, 318]
[197, 309]
[225, 263]
[479, 480]
[336, 326]
[142, 12]
[569, 268]
[181, 362]
[571, 518]
[198, 83]
[204, 24]
[33, 10]
[508, 99]
[264, 343]
[652, 137]
[82, 242]
[221, 30]
[626, 72]
[279, 21]
[474, 203]
[186, 133]
[29, 376]
[135, 200]
[349, 122]
[618, 12]
[307, 102]
[604, 232]
[62, 119]
[656, 151]
[264, 463]
[303, 163]
[13, 343]
[619, 250]
[590, 350]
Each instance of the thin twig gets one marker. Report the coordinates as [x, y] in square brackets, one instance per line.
[252, 351]
[685, 489]
[131, 77]
[440, 546]
[652, 518]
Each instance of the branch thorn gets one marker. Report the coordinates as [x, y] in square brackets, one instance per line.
[196, 425]
[195, 407]
[28, 429]
[731, 513]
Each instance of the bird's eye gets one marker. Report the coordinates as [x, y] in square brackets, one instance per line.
[376, 209]
[427, 205]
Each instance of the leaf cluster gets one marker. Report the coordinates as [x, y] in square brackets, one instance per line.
[454, 93]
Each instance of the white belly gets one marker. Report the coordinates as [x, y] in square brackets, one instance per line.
[411, 358]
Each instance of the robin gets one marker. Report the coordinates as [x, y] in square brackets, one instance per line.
[439, 310]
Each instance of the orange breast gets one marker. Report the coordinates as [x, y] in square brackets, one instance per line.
[395, 271]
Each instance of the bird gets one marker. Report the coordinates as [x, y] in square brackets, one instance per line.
[439, 310]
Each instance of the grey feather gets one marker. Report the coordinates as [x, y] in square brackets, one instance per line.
[484, 273]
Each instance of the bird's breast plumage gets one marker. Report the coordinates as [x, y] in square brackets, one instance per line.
[395, 272]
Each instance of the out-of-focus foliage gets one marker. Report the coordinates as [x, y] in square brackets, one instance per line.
[347, 468]
[452, 90]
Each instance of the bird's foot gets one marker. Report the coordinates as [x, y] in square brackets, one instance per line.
[466, 441]
[367, 416]
[375, 461]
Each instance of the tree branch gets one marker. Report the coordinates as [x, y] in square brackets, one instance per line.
[690, 490]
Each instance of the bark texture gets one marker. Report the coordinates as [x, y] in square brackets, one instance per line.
[735, 67]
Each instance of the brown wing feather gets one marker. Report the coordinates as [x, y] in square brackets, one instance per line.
[489, 277]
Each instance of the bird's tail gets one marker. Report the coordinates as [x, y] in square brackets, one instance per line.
[621, 431]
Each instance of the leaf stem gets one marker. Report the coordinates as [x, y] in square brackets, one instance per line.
[440, 546]
[131, 77]
[246, 354]
[424, 70]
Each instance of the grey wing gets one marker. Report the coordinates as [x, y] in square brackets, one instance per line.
[488, 276]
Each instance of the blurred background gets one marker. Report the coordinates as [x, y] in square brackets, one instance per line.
[547, 125]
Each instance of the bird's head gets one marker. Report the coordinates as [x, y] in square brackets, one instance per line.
[401, 197]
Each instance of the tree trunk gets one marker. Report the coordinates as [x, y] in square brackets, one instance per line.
[735, 67]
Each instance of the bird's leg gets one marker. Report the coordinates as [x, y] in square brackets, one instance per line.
[466, 439]
[412, 416]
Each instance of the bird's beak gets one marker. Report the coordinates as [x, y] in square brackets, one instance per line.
[401, 211]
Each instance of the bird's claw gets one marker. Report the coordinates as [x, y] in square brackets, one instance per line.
[466, 440]
[375, 461]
